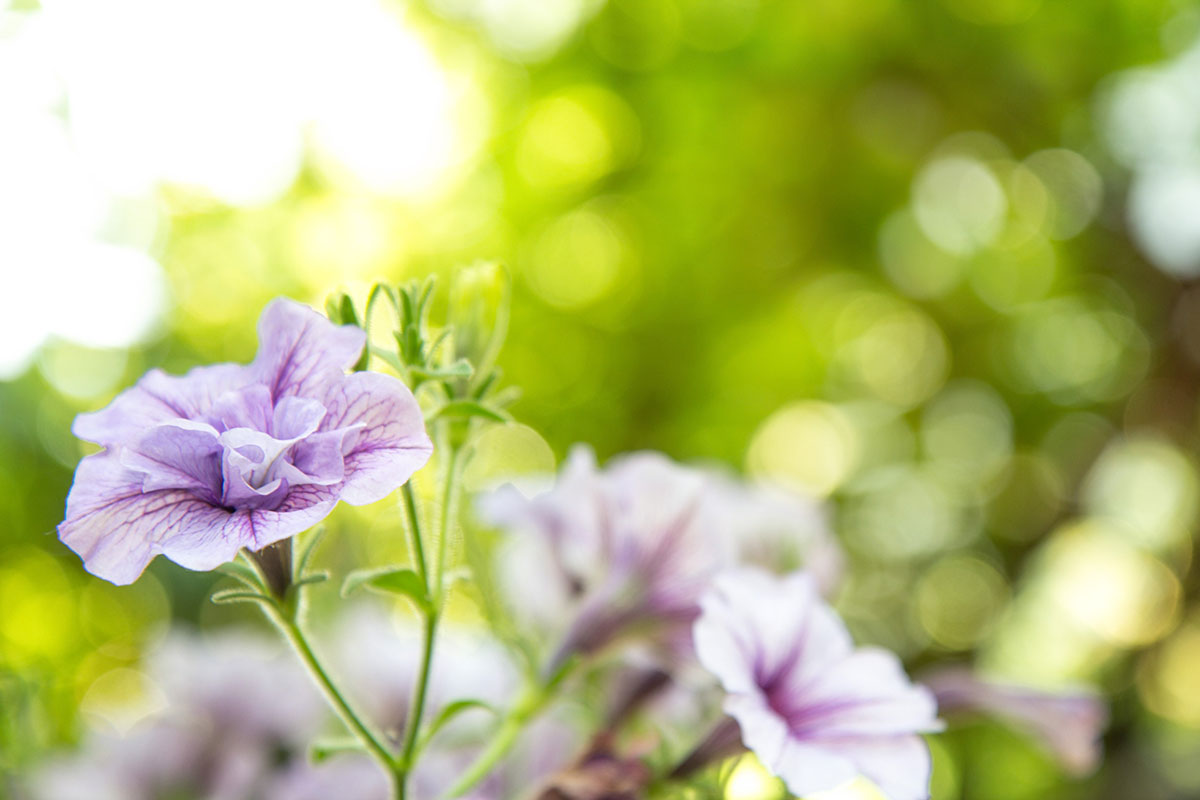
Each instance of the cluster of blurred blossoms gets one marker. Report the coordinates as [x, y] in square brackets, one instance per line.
[650, 625]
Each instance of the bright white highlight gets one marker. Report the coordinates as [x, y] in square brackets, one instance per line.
[1151, 117]
[525, 30]
[222, 97]
[1164, 209]
[63, 280]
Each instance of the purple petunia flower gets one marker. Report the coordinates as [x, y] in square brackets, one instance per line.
[813, 709]
[234, 703]
[625, 548]
[632, 546]
[1067, 722]
[199, 466]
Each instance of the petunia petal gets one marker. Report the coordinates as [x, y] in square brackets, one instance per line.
[807, 770]
[867, 694]
[899, 765]
[303, 507]
[299, 350]
[159, 397]
[245, 407]
[296, 417]
[317, 459]
[178, 455]
[117, 528]
[392, 443]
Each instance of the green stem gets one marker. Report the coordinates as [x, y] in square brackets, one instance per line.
[372, 740]
[414, 533]
[434, 586]
[528, 705]
[416, 709]
[449, 498]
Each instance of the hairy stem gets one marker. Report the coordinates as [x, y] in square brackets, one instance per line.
[371, 740]
[531, 703]
[416, 709]
[416, 546]
[434, 587]
[449, 500]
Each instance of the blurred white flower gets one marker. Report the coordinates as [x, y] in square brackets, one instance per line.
[813, 709]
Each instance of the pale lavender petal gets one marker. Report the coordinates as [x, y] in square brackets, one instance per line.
[392, 443]
[295, 418]
[806, 769]
[303, 507]
[814, 710]
[249, 467]
[117, 528]
[178, 455]
[868, 694]
[317, 459]
[899, 765]
[803, 642]
[159, 397]
[1068, 722]
[299, 351]
[245, 407]
[239, 493]
[763, 732]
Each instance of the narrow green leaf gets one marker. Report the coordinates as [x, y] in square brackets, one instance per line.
[466, 409]
[450, 712]
[316, 577]
[388, 357]
[459, 369]
[389, 580]
[226, 596]
[306, 553]
[438, 341]
[324, 749]
[242, 573]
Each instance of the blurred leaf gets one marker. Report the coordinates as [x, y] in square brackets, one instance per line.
[325, 749]
[467, 409]
[390, 580]
[450, 712]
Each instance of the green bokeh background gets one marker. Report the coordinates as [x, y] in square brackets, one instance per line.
[713, 215]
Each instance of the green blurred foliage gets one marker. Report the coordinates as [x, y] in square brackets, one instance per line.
[823, 242]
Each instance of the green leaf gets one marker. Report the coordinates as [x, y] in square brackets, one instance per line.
[390, 580]
[466, 409]
[227, 596]
[325, 749]
[377, 291]
[506, 396]
[388, 357]
[340, 309]
[450, 712]
[242, 573]
[459, 369]
[316, 577]
[306, 553]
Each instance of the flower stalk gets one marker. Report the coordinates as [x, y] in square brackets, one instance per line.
[284, 610]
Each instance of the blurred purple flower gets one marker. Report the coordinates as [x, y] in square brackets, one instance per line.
[633, 546]
[776, 529]
[234, 703]
[813, 709]
[380, 656]
[622, 548]
[199, 466]
[1068, 722]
